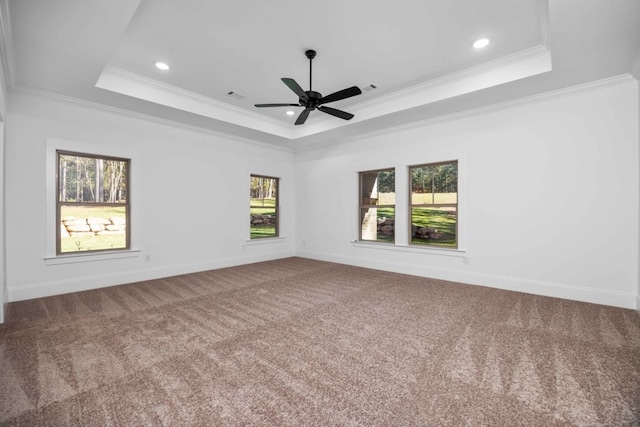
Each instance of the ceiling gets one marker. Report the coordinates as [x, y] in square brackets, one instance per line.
[417, 53]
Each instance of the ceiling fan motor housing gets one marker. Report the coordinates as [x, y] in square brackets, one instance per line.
[312, 101]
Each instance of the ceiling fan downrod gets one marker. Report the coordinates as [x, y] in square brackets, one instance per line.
[310, 54]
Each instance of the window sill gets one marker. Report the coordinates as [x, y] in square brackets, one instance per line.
[91, 257]
[458, 253]
[264, 240]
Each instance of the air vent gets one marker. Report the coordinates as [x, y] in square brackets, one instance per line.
[235, 95]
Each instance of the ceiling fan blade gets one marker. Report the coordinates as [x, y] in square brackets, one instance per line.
[303, 116]
[337, 113]
[294, 86]
[276, 105]
[341, 94]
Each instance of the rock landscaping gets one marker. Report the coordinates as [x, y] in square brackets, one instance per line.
[386, 226]
[93, 226]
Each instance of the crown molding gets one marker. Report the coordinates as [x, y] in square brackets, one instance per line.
[619, 80]
[526, 63]
[542, 97]
[520, 65]
[131, 84]
[537, 55]
[142, 116]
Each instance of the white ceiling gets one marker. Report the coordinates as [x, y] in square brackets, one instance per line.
[418, 53]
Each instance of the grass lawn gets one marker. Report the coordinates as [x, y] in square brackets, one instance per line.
[260, 232]
[425, 198]
[263, 211]
[93, 243]
[93, 211]
[439, 219]
[263, 207]
[263, 203]
[386, 198]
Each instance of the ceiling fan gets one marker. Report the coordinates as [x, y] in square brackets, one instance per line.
[311, 100]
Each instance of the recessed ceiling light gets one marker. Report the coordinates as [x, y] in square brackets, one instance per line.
[290, 113]
[480, 43]
[162, 66]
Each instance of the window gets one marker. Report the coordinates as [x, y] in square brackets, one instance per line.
[434, 204]
[92, 209]
[378, 205]
[264, 206]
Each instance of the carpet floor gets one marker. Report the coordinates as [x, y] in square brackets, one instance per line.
[298, 342]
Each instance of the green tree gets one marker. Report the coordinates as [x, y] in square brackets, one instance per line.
[387, 181]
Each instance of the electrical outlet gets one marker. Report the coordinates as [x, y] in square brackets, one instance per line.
[465, 260]
[147, 258]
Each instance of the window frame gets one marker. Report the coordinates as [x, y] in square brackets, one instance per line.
[276, 207]
[59, 204]
[411, 205]
[376, 205]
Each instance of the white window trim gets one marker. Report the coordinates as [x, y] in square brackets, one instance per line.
[431, 250]
[264, 240]
[51, 258]
[91, 256]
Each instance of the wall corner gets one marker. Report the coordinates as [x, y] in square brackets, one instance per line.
[4, 303]
[635, 69]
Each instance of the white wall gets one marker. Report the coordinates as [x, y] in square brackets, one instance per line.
[191, 185]
[549, 194]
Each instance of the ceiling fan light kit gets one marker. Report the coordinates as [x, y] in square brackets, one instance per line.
[312, 100]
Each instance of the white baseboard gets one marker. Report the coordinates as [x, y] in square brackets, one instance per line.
[45, 289]
[558, 290]
[537, 287]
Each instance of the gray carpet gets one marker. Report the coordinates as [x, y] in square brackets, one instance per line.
[297, 342]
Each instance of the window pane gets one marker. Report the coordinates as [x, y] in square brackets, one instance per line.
[378, 188]
[263, 222]
[435, 184]
[91, 180]
[92, 203]
[377, 224]
[263, 191]
[434, 226]
[263, 207]
[92, 228]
